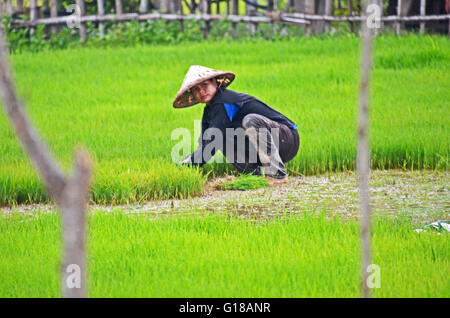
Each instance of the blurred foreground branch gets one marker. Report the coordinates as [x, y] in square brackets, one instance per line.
[69, 193]
[363, 154]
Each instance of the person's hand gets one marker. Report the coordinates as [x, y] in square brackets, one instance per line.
[186, 161]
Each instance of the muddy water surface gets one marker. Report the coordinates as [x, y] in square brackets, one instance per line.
[423, 194]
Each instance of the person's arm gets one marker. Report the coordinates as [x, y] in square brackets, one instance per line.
[196, 158]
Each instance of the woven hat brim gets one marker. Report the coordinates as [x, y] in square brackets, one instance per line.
[185, 98]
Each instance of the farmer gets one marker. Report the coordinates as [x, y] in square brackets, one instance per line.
[271, 139]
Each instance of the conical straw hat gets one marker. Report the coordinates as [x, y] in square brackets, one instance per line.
[195, 75]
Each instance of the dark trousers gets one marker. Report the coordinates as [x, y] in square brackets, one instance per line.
[275, 144]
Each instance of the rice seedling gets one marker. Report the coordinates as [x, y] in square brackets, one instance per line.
[117, 102]
[308, 255]
[245, 182]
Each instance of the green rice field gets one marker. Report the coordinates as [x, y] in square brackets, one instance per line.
[132, 255]
[299, 240]
[117, 102]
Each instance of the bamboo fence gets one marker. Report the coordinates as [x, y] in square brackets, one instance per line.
[202, 12]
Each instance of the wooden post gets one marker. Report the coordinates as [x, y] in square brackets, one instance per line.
[310, 9]
[54, 13]
[33, 10]
[71, 194]
[376, 31]
[9, 7]
[180, 3]
[422, 13]
[143, 6]
[119, 10]
[447, 10]
[33, 14]
[207, 10]
[101, 11]
[328, 12]
[19, 6]
[350, 14]
[363, 154]
[319, 25]
[165, 6]
[234, 24]
[82, 31]
[399, 25]
[306, 7]
[250, 11]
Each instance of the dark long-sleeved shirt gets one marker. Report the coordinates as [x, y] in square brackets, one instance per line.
[215, 116]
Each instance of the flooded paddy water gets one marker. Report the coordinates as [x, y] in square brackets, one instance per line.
[421, 194]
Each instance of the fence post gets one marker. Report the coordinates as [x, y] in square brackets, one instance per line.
[82, 31]
[422, 13]
[380, 4]
[399, 24]
[251, 11]
[33, 14]
[448, 12]
[9, 7]
[19, 7]
[307, 7]
[181, 11]
[143, 6]
[119, 10]
[320, 9]
[350, 14]
[310, 9]
[234, 24]
[101, 11]
[328, 12]
[207, 10]
[54, 13]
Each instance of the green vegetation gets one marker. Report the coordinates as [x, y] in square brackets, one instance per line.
[134, 33]
[245, 182]
[151, 31]
[308, 255]
[118, 103]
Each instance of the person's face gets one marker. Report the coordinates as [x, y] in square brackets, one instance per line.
[205, 91]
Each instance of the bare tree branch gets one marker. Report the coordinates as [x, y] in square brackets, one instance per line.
[73, 208]
[69, 193]
[363, 155]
